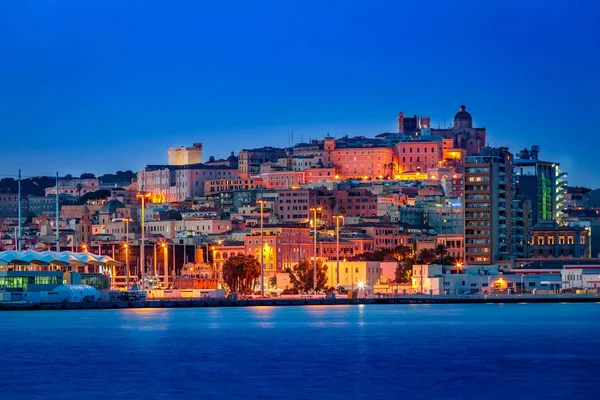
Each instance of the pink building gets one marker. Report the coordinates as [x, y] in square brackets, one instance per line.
[363, 162]
[319, 174]
[418, 155]
[293, 205]
[282, 179]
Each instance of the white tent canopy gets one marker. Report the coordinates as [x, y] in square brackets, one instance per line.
[51, 257]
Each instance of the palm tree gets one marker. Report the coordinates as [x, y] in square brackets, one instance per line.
[79, 187]
[441, 251]
[241, 273]
[427, 256]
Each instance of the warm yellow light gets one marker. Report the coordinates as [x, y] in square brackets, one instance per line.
[336, 177]
[360, 284]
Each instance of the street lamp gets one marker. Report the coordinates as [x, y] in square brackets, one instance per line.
[165, 248]
[84, 247]
[315, 209]
[143, 196]
[262, 261]
[214, 263]
[126, 246]
[337, 245]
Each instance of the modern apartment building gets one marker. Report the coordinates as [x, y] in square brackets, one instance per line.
[488, 201]
[543, 182]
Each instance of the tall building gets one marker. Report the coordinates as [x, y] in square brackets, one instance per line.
[543, 182]
[185, 155]
[522, 226]
[488, 201]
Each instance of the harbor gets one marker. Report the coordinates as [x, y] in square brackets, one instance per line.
[301, 301]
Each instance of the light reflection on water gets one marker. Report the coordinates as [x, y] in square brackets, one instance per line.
[388, 351]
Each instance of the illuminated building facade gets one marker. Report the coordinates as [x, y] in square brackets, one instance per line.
[488, 206]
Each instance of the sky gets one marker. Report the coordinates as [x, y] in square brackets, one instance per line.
[101, 86]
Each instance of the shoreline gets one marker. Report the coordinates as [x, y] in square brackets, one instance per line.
[290, 302]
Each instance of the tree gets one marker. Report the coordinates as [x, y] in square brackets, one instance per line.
[426, 256]
[273, 282]
[241, 273]
[441, 251]
[97, 195]
[87, 175]
[68, 176]
[404, 271]
[79, 187]
[211, 159]
[302, 275]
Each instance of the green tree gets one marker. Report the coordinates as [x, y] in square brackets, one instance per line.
[87, 175]
[241, 273]
[302, 275]
[404, 271]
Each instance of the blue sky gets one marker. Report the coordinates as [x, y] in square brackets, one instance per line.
[100, 86]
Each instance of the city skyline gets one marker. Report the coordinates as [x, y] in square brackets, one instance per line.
[114, 96]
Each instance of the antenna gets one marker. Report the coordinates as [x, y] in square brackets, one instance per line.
[57, 218]
[20, 236]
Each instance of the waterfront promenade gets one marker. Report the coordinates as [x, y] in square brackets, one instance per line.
[307, 301]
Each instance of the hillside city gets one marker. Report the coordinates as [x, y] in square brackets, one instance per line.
[426, 210]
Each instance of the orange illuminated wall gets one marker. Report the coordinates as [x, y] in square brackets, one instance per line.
[283, 180]
[360, 163]
[418, 155]
[319, 174]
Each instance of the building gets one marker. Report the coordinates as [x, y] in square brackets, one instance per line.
[75, 187]
[543, 183]
[360, 158]
[185, 155]
[412, 124]
[9, 206]
[549, 240]
[522, 227]
[455, 245]
[417, 155]
[171, 183]
[213, 186]
[385, 235]
[282, 179]
[485, 279]
[581, 277]
[293, 205]
[463, 134]
[488, 202]
[250, 160]
[41, 205]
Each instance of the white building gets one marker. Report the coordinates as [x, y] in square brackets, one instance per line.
[580, 277]
[482, 279]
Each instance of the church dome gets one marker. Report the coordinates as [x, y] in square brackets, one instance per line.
[463, 119]
[111, 206]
